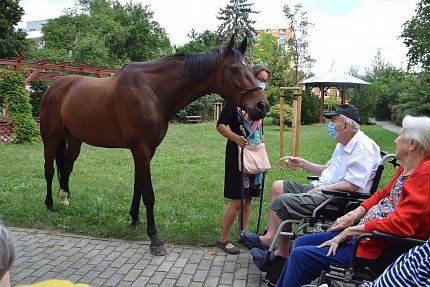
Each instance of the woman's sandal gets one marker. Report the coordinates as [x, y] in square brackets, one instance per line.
[223, 246]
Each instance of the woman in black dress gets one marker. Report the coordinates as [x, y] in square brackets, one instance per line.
[229, 126]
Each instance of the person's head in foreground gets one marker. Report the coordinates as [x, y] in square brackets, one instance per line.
[7, 255]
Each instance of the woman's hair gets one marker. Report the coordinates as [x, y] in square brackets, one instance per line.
[258, 68]
[7, 249]
[418, 129]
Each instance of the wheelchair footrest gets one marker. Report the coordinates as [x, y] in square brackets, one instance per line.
[275, 270]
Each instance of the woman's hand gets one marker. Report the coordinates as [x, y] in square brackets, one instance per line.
[348, 219]
[241, 141]
[342, 237]
[342, 222]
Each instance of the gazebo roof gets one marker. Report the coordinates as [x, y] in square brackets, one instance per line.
[334, 79]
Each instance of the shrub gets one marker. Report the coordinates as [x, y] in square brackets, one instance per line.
[274, 114]
[17, 101]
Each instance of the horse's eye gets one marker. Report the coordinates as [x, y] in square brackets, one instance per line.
[235, 70]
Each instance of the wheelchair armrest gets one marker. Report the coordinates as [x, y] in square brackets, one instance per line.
[313, 177]
[397, 239]
[345, 194]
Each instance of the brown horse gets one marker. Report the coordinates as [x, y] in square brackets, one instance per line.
[132, 110]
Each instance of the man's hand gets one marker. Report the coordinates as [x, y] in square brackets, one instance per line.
[292, 161]
[316, 189]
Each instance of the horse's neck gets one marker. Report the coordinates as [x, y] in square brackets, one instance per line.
[178, 88]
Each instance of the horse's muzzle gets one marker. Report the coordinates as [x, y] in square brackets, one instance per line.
[259, 110]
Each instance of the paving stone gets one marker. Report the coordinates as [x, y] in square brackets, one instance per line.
[41, 255]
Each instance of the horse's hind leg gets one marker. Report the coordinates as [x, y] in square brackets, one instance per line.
[50, 146]
[72, 153]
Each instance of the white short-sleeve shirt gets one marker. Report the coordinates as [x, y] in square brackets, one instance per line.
[355, 162]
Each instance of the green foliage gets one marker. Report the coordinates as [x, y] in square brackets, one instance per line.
[104, 32]
[38, 88]
[275, 112]
[268, 53]
[236, 19]
[364, 99]
[12, 42]
[202, 107]
[310, 108]
[17, 102]
[199, 42]
[415, 100]
[416, 36]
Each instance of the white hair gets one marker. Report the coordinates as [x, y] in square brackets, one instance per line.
[353, 124]
[7, 250]
[418, 129]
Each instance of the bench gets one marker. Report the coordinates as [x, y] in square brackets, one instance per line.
[193, 119]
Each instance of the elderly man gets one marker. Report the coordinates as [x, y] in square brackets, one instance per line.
[351, 168]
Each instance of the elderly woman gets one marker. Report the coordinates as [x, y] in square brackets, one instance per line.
[7, 255]
[401, 208]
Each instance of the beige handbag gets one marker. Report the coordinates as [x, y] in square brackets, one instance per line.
[255, 159]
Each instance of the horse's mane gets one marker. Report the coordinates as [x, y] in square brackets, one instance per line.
[197, 65]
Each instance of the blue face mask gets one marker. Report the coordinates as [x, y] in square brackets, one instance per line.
[331, 128]
[262, 86]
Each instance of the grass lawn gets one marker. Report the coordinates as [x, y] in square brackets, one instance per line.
[187, 174]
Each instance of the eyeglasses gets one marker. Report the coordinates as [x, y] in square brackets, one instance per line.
[262, 80]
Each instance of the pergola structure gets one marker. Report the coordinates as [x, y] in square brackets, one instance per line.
[333, 79]
[43, 70]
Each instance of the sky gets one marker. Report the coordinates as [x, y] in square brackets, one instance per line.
[346, 33]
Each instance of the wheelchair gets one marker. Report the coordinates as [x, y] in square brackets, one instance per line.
[364, 270]
[338, 204]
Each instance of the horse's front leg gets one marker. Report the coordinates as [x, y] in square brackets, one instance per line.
[143, 186]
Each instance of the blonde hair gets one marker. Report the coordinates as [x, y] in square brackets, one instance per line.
[418, 129]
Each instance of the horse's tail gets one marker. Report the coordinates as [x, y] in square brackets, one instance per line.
[60, 156]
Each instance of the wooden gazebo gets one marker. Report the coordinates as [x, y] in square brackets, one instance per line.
[333, 79]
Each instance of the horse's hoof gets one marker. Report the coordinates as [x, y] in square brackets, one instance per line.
[159, 250]
[50, 209]
[63, 197]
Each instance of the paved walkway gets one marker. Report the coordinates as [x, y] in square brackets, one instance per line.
[389, 126]
[43, 255]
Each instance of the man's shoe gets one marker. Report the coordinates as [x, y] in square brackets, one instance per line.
[262, 258]
[252, 240]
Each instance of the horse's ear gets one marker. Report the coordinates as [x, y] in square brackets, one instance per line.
[229, 47]
[243, 45]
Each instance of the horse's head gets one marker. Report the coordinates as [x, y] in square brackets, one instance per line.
[238, 82]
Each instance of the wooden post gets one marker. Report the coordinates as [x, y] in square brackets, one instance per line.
[217, 110]
[281, 125]
[295, 126]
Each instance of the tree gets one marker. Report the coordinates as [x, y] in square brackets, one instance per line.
[235, 18]
[12, 42]
[199, 42]
[105, 32]
[268, 53]
[416, 36]
[298, 43]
